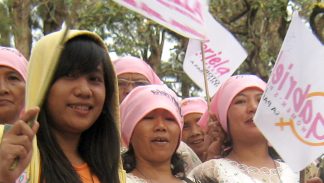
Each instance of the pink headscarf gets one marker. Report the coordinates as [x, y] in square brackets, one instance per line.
[226, 93]
[141, 101]
[131, 64]
[12, 58]
[193, 105]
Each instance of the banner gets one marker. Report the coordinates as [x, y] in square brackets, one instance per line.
[184, 17]
[223, 55]
[290, 113]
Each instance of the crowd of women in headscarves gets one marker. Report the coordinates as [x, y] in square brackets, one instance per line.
[116, 121]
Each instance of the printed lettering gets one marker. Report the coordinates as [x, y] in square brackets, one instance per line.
[292, 86]
[316, 125]
[299, 97]
[277, 74]
[185, 28]
[151, 12]
[285, 77]
[131, 2]
[307, 112]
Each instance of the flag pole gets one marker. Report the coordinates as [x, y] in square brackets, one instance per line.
[205, 73]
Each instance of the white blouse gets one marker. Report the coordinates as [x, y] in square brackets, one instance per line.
[228, 171]
[130, 178]
[189, 156]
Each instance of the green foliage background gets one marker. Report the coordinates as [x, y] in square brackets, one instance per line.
[260, 26]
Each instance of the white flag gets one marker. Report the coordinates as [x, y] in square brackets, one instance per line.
[223, 55]
[290, 113]
[184, 17]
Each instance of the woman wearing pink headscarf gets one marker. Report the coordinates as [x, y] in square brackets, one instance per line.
[248, 161]
[132, 72]
[13, 73]
[152, 132]
[192, 134]
[205, 145]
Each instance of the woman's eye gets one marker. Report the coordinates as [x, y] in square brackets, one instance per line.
[14, 78]
[122, 83]
[258, 99]
[241, 101]
[148, 117]
[185, 126]
[171, 119]
[141, 83]
[71, 75]
[96, 79]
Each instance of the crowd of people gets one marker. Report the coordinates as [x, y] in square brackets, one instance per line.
[116, 122]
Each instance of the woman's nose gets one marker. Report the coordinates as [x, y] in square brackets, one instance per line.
[160, 124]
[3, 87]
[253, 105]
[196, 130]
[82, 88]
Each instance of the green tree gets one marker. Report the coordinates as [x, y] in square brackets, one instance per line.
[4, 26]
[17, 15]
[260, 26]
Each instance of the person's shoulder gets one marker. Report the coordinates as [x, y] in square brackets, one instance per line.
[208, 168]
[131, 178]
[283, 166]
[287, 172]
[215, 162]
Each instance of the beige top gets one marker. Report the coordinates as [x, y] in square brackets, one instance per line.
[130, 178]
[228, 171]
[189, 156]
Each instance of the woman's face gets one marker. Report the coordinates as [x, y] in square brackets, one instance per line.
[128, 81]
[156, 137]
[12, 94]
[241, 112]
[75, 101]
[192, 134]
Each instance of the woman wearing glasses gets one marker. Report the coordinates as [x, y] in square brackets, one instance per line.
[132, 72]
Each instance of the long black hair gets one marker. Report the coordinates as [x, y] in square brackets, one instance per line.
[99, 145]
[177, 163]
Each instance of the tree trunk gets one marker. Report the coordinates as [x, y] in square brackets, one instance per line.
[4, 26]
[156, 48]
[54, 14]
[254, 23]
[20, 13]
[185, 87]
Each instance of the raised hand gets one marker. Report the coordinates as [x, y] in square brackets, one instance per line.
[214, 138]
[17, 143]
[314, 180]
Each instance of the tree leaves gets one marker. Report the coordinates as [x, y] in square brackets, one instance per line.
[260, 26]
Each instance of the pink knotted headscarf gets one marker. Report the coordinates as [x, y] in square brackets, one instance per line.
[141, 101]
[226, 93]
[193, 105]
[12, 58]
[131, 64]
